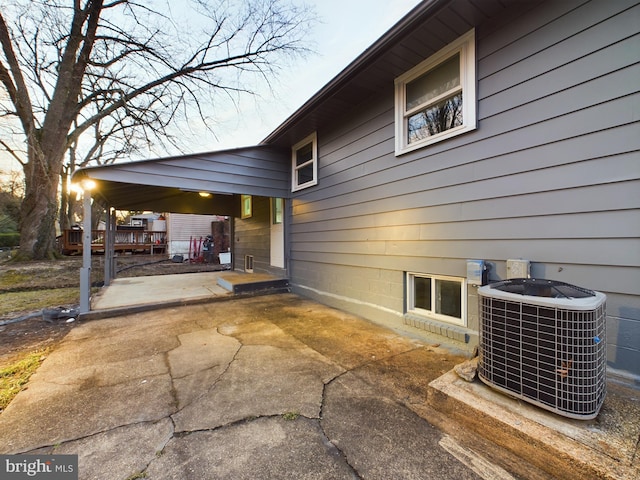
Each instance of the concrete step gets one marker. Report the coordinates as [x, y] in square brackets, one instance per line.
[606, 447]
[239, 283]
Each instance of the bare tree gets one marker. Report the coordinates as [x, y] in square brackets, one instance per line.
[111, 77]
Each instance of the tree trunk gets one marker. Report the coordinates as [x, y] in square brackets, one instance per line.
[97, 213]
[65, 206]
[40, 205]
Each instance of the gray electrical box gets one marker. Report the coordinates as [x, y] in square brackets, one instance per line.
[518, 268]
[475, 272]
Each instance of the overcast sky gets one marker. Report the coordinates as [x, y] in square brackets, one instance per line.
[346, 29]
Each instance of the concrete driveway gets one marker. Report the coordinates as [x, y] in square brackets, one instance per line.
[273, 387]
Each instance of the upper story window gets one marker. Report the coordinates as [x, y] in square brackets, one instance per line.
[437, 98]
[304, 163]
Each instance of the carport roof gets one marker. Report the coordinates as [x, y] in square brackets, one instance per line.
[171, 184]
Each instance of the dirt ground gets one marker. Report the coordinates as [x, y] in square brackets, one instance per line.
[35, 333]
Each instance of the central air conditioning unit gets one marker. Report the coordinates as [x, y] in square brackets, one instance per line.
[543, 341]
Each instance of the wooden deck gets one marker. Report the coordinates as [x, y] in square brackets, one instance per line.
[135, 241]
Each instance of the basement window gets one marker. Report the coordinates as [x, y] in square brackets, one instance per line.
[438, 297]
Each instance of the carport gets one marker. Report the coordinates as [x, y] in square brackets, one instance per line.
[204, 183]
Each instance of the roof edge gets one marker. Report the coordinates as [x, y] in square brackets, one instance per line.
[83, 172]
[417, 14]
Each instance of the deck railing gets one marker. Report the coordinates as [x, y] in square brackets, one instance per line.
[125, 240]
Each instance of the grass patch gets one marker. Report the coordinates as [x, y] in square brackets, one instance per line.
[35, 276]
[137, 476]
[11, 278]
[15, 376]
[290, 415]
[37, 300]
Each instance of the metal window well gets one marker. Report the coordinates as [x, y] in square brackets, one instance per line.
[543, 341]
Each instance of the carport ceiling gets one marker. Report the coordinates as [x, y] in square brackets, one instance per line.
[130, 196]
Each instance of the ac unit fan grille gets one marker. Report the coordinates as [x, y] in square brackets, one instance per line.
[552, 357]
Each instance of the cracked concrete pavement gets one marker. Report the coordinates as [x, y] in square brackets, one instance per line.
[265, 387]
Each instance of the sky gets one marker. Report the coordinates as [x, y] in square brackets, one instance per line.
[346, 28]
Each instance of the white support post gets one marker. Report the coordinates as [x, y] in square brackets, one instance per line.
[108, 248]
[85, 271]
[112, 258]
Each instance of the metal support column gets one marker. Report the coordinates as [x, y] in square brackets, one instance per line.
[114, 229]
[85, 271]
[108, 248]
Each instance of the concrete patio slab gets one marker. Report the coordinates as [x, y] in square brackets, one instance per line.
[277, 386]
[158, 289]
[230, 390]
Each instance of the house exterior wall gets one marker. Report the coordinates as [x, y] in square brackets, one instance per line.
[252, 237]
[551, 175]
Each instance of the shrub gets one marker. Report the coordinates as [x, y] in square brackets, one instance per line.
[9, 240]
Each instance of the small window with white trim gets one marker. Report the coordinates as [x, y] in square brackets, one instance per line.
[304, 163]
[436, 296]
[436, 99]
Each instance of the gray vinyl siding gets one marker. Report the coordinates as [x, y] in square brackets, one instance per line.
[252, 236]
[255, 172]
[260, 170]
[552, 174]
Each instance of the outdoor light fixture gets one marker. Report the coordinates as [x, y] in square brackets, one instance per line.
[202, 193]
[88, 184]
[84, 184]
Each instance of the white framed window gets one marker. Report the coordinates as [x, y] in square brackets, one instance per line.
[437, 296]
[304, 163]
[436, 99]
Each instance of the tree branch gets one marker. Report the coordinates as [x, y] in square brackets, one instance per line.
[13, 81]
[12, 152]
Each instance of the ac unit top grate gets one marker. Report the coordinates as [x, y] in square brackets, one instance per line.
[544, 292]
